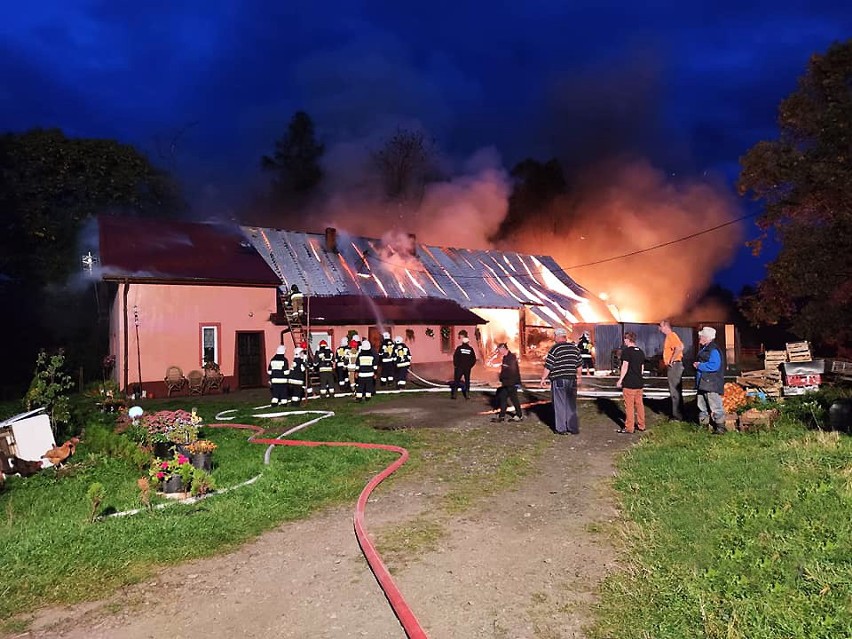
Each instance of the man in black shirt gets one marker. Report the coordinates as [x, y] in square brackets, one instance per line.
[631, 382]
[562, 363]
[464, 359]
[510, 381]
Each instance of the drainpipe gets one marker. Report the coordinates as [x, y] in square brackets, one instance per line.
[126, 338]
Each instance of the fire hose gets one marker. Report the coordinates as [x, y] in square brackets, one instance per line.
[401, 609]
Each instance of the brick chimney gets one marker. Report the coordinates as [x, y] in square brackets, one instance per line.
[412, 244]
[331, 239]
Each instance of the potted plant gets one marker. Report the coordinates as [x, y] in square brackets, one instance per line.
[173, 475]
[201, 453]
[184, 429]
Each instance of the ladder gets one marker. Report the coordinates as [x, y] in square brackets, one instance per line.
[297, 332]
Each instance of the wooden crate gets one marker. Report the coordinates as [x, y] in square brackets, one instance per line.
[799, 352]
[732, 421]
[754, 419]
[773, 359]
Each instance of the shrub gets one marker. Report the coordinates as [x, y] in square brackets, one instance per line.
[49, 388]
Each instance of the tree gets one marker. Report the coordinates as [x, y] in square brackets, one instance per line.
[50, 184]
[802, 179]
[405, 162]
[536, 186]
[295, 164]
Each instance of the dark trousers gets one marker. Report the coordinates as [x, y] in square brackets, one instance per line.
[506, 393]
[401, 376]
[387, 372]
[458, 374]
[342, 377]
[326, 382]
[280, 391]
[365, 387]
[564, 394]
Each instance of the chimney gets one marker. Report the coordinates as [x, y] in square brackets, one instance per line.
[412, 244]
[331, 239]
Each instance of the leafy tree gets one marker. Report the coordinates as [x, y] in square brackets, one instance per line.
[405, 162]
[49, 388]
[295, 164]
[50, 184]
[536, 186]
[803, 178]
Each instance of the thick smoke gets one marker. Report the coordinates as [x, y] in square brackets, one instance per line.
[622, 207]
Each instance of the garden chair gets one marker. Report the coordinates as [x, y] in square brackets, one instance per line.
[213, 378]
[174, 379]
[195, 382]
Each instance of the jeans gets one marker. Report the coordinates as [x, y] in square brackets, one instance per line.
[458, 375]
[675, 375]
[710, 405]
[506, 393]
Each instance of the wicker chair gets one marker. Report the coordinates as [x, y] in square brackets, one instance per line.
[174, 379]
[195, 382]
[213, 377]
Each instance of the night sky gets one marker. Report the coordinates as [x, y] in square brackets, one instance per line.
[689, 89]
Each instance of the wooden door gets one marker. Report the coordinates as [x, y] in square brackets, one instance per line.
[250, 360]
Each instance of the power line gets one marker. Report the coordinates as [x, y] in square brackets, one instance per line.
[657, 246]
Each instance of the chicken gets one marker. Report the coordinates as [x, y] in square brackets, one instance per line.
[14, 465]
[59, 454]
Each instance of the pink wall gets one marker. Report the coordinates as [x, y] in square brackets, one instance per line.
[170, 317]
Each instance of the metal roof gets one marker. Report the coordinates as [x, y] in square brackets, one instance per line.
[472, 278]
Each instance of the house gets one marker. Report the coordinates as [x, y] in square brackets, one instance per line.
[181, 294]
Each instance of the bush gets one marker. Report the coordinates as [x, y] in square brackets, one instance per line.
[811, 409]
[101, 439]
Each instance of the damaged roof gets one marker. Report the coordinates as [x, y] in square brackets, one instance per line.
[336, 263]
[360, 309]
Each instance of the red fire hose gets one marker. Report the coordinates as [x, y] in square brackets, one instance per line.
[400, 607]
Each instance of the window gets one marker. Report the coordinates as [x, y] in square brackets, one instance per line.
[446, 339]
[210, 344]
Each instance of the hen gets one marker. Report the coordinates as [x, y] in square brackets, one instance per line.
[59, 454]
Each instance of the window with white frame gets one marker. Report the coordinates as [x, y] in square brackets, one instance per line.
[209, 344]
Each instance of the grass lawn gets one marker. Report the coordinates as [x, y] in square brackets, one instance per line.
[52, 554]
[743, 536]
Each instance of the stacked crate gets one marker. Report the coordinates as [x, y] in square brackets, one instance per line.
[799, 352]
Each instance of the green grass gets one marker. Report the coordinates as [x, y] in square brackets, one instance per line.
[741, 536]
[55, 556]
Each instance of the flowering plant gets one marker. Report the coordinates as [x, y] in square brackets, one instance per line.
[162, 470]
[176, 426]
[201, 447]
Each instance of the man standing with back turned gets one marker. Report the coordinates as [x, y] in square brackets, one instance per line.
[673, 359]
[563, 364]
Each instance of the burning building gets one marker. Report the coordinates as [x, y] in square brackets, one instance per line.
[194, 294]
[398, 285]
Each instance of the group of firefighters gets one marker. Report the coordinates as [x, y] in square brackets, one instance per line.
[352, 367]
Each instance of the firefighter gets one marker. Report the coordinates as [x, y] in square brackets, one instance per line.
[296, 377]
[325, 367]
[306, 357]
[388, 360]
[587, 350]
[277, 371]
[340, 359]
[352, 362]
[297, 300]
[402, 359]
[368, 365]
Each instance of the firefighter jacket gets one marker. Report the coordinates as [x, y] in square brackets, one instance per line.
[324, 359]
[352, 358]
[277, 370]
[368, 363]
[296, 376]
[464, 357]
[387, 351]
[341, 356]
[402, 356]
[585, 346]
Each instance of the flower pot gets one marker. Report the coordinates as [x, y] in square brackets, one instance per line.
[182, 449]
[162, 449]
[204, 461]
[173, 484]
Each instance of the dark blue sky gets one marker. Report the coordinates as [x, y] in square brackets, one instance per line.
[690, 88]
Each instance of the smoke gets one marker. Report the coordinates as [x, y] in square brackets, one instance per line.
[626, 206]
